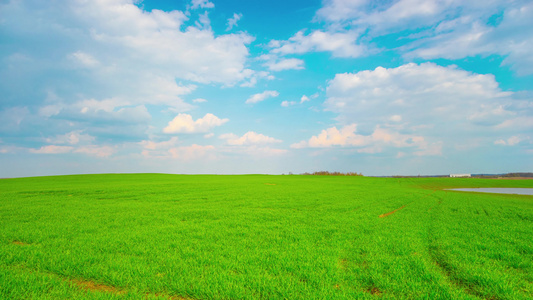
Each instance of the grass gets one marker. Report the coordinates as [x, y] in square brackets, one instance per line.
[155, 236]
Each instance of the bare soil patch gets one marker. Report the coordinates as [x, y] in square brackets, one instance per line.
[375, 291]
[96, 287]
[19, 243]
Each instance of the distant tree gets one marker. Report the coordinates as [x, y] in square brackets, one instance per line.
[327, 173]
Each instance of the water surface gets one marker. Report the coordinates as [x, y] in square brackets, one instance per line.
[518, 191]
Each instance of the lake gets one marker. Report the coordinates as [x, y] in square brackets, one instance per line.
[518, 191]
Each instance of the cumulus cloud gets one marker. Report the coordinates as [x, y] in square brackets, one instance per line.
[445, 94]
[184, 123]
[333, 137]
[249, 138]
[190, 53]
[156, 58]
[429, 100]
[261, 97]
[375, 142]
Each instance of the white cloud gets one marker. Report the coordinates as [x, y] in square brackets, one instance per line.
[513, 140]
[94, 105]
[254, 76]
[153, 149]
[111, 62]
[304, 99]
[451, 29]
[183, 123]
[288, 103]
[512, 38]
[195, 4]
[232, 22]
[168, 49]
[285, 64]
[199, 100]
[98, 151]
[401, 12]
[340, 44]
[372, 143]
[520, 123]
[439, 103]
[421, 94]
[193, 152]
[251, 144]
[193, 54]
[151, 145]
[97, 112]
[204, 22]
[249, 138]
[72, 138]
[171, 150]
[340, 10]
[396, 118]
[84, 59]
[52, 149]
[92, 150]
[333, 137]
[259, 151]
[261, 97]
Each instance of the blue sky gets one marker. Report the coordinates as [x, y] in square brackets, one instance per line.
[401, 87]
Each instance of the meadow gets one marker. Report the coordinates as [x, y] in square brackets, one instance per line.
[157, 236]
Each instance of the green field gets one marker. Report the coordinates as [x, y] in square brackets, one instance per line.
[155, 236]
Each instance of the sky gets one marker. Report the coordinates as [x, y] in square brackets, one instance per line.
[388, 87]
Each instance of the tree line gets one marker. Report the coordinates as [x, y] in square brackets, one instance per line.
[327, 173]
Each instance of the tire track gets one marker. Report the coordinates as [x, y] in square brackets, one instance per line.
[94, 286]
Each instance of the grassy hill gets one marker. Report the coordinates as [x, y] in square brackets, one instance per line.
[156, 236]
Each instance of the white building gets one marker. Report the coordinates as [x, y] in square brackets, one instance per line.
[460, 175]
